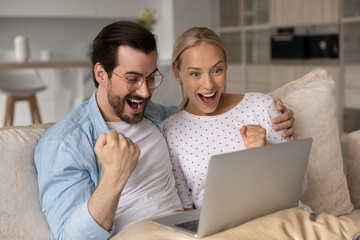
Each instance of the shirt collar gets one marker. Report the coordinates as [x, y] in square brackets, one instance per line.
[96, 117]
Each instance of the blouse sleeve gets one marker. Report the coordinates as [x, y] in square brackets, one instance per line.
[180, 181]
[272, 136]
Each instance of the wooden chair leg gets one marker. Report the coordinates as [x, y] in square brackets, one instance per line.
[34, 109]
[9, 111]
[10, 108]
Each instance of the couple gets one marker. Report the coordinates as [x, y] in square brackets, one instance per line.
[106, 165]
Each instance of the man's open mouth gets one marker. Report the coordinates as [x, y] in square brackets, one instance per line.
[135, 103]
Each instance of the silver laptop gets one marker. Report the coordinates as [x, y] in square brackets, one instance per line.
[245, 185]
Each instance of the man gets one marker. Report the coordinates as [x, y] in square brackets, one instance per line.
[94, 181]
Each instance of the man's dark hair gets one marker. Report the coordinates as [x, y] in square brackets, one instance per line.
[122, 33]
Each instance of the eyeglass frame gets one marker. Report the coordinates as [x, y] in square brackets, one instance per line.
[140, 82]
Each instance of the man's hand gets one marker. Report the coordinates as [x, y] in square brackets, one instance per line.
[253, 136]
[118, 156]
[285, 120]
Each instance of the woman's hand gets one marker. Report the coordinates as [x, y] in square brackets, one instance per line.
[285, 120]
[253, 136]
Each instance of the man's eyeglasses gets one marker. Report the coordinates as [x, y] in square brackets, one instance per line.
[134, 81]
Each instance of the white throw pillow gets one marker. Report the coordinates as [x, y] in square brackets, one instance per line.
[312, 98]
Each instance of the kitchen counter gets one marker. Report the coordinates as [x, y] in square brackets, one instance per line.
[45, 64]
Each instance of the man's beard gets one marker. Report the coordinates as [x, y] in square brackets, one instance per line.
[117, 103]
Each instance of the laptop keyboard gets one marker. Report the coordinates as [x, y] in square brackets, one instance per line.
[191, 225]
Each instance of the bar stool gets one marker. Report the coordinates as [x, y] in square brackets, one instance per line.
[20, 85]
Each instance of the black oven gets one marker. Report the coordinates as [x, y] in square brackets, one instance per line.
[287, 45]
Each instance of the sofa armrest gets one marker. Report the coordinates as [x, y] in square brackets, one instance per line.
[353, 167]
[21, 216]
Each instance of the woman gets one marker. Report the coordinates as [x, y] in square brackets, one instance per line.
[209, 120]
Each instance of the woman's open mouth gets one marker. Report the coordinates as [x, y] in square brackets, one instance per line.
[208, 99]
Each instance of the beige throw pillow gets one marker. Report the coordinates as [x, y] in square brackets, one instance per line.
[312, 99]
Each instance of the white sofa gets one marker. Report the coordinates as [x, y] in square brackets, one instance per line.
[312, 99]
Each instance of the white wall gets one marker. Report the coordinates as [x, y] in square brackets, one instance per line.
[181, 14]
[194, 13]
[67, 27]
[75, 8]
[69, 38]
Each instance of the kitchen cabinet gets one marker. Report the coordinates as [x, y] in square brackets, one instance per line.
[350, 64]
[303, 12]
[268, 77]
[246, 27]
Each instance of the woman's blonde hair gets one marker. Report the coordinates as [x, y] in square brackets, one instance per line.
[190, 38]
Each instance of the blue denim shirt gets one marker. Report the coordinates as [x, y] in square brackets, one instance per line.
[69, 170]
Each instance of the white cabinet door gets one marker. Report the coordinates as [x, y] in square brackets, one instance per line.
[303, 12]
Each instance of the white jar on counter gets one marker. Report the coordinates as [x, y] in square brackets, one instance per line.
[22, 51]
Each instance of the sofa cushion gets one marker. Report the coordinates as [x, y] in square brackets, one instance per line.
[353, 167]
[292, 223]
[20, 211]
[312, 98]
